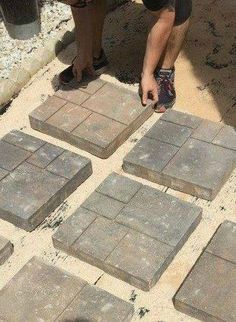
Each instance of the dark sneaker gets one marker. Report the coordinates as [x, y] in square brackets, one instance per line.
[167, 94]
[100, 65]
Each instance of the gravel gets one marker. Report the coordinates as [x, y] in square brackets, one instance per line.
[54, 16]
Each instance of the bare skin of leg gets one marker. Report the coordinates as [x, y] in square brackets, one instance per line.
[174, 46]
[97, 15]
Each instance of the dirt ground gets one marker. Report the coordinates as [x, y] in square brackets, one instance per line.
[205, 86]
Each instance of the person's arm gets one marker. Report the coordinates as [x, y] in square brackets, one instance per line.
[156, 43]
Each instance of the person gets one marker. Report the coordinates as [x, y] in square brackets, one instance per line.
[164, 42]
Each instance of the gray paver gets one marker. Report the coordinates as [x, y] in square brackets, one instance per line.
[180, 118]
[40, 292]
[11, 156]
[208, 293]
[94, 304]
[223, 243]
[160, 216]
[169, 133]
[149, 158]
[22, 140]
[139, 260]
[6, 249]
[97, 117]
[73, 228]
[226, 137]
[30, 192]
[138, 244]
[98, 241]
[200, 168]
[198, 164]
[207, 131]
[103, 205]
[119, 187]
[45, 155]
[68, 164]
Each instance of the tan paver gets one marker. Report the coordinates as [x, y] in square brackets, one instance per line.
[97, 117]
[186, 153]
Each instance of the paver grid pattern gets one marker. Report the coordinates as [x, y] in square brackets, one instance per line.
[209, 291]
[96, 117]
[35, 177]
[6, 249]
[40, 292]
[186, 153]
[129, 230]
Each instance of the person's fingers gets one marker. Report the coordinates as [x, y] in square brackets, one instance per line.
[144, 97]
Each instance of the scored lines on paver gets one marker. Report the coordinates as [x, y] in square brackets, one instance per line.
[209, 291]
[35, 177]
[97, 118]
[186, 153]
[40, 292]
[129, 230]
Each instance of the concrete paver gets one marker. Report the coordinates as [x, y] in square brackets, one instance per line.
[6, 249]
[34, 183]
[133, 237]
[39, 292]
[209, 291]
[185, 153]
[97, 118]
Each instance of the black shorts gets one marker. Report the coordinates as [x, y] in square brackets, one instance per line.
[183, 8]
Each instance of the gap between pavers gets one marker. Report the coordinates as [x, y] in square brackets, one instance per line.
[186, 153]
[35, 177]
[209, 291]
[129, 230]
[40, 292]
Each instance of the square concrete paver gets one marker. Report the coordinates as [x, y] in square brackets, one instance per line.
[97, 117]
[6, 249]
[129, 230]
[39, 292]
[209, 291]
[35, 177]
[185, 153]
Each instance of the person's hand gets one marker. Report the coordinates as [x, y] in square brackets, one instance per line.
[83, 63]
[149, 88]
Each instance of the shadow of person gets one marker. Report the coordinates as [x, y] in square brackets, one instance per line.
[206, 74]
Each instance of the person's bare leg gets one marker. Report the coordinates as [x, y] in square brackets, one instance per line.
[97, 14]
[98, 17]
[174, 46]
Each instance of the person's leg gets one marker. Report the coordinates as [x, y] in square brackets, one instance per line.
[98, 17]
[165, 72]
[174, 46]
[92, 37]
